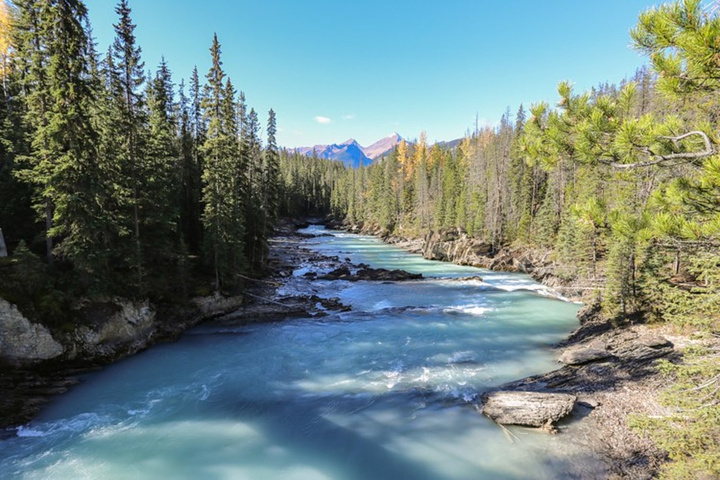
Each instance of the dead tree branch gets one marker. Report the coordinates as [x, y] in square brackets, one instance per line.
[708, 151]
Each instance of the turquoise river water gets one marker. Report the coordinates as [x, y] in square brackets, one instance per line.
[385, 391]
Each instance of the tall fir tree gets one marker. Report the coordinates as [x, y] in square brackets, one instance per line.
[161, 222]
[271, 178]
[62, 161]
[223, 234]
[126, 80]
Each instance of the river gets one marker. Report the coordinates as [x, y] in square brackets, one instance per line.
[385, 391]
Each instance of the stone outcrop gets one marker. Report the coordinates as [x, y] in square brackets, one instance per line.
[110, 330]
[128, 329]
[530, 409]
[366, 273]
[455, 245]
[382, 274]
[585, 354]
[24, 342]
[210, 307]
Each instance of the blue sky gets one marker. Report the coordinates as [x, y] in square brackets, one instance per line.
[335, 69]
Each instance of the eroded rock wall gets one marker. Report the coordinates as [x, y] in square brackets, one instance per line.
[24, 342]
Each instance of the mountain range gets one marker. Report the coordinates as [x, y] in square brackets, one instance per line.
[351, 153]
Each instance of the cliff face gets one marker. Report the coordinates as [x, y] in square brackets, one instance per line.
[104, 331]
[24, 342]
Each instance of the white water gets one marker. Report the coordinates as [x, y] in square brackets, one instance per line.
[382, 392]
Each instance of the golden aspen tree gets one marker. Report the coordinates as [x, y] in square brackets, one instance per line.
[5, 40]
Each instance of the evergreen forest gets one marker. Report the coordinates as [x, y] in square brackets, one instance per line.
[115, 176]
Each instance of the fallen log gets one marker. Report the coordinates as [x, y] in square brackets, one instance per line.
[530, 409]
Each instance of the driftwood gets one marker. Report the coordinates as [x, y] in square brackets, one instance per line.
[531, 409]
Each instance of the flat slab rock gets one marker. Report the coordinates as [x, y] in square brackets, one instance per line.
[531, 409]
[580, 355]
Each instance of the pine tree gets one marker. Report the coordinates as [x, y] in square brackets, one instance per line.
[126, 80]
[160, 223]
[189, 201]
[222, 219]
[254, 206]
[31, 68]
[271, 177]
[63, 162]
[16, 213]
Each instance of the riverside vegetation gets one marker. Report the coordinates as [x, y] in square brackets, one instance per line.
[120, 180]
[618, 187]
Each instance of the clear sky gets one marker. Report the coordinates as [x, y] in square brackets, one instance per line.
[335, 69]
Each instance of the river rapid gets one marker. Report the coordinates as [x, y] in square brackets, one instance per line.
[385, 391]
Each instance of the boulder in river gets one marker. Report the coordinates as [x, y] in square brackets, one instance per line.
[340, 273]
[531, 409]
[374, 274]
[383, 274]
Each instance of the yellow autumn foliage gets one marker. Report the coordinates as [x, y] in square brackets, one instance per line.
[5, 38]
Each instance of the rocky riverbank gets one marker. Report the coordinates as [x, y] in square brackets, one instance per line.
[456, 246]
[609, 367]
[36, 364]
[611, 370]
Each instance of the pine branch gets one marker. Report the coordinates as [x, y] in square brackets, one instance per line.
[659, 159]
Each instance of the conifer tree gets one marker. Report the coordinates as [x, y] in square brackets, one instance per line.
[271, 173]
[16, 212]
[62, 162]
[190, 208]
[223, 235]
[31, 69]
[254, 207]
[162, 159]
[126, 80]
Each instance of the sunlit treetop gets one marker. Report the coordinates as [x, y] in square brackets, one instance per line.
[682, 40]
[5, 38]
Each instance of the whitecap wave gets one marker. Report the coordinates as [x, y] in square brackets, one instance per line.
[77, 424]
[477, 310]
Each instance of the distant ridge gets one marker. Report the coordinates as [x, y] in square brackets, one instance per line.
[351, 153]
[382, 147]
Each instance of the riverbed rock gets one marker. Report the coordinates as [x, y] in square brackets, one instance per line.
[584, 354]
[370, 274]
[474, 278]
[24, 342]
[341, 273]
[531, 409]
[381, 274]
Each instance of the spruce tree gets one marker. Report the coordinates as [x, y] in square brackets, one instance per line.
[62, 162]
[254, 206]
[31, 70]
[126, 80]
[160, 239]
[190, 195]
[271, 177]
[222, 219]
